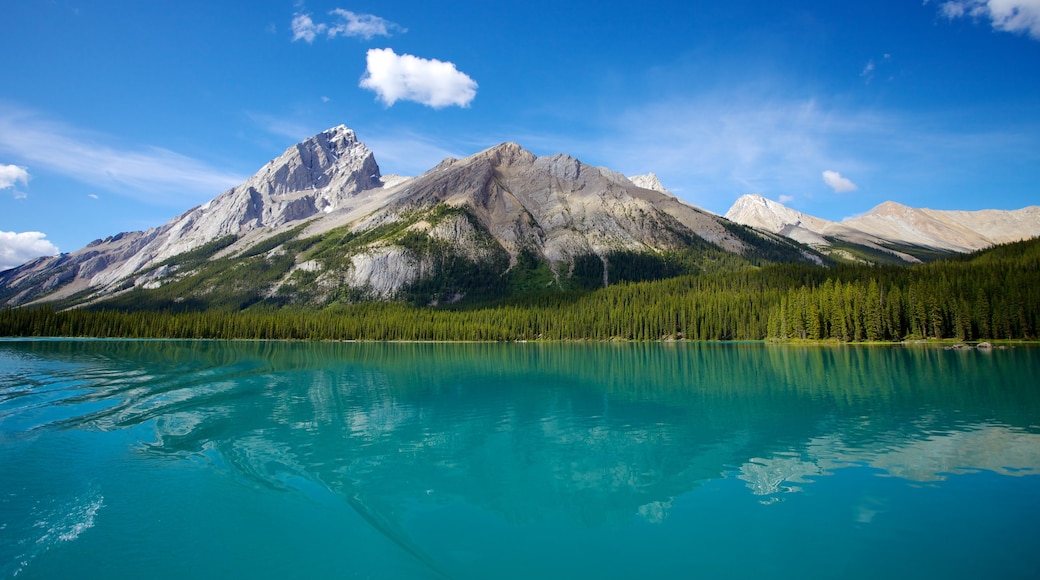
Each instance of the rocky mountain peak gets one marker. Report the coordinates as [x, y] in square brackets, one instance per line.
[340, 136]
[772, 216]
[495, 210]
[757, 211]
[333, 157]
[891, 208]
[650, 181]
[509, 154]
[892, 223]
[315, 176]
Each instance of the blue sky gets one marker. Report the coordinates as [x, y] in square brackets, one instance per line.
[116, 115]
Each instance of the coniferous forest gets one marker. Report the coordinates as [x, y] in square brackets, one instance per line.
[992, 294]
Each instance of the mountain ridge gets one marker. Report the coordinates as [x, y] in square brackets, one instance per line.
[320, 222]
[891, 227]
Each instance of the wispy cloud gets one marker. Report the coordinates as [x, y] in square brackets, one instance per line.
[344, 23]
[407, 152]
[871, 68]
[148, 173]
[839, 184]
[305, 29]
[1017, 16]
[18, 248]
[712, 148]
[12, 174]
[406, 77]
[727, 145]
[282, 127]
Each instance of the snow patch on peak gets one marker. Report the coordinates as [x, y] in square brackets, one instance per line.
[340, 132]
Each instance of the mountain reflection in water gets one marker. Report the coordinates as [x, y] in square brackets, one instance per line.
[586, 436]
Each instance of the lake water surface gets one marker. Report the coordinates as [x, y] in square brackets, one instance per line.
[177, 459]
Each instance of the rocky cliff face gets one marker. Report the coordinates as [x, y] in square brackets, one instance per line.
[319, 222]
[314, 176]
[506, 201]
[559, 206]
[649, 181]
[891, 228]
[765, 214]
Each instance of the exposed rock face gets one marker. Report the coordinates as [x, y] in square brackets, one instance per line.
[649, 181]
[554, 206]
[382, 271]
[317, 175]
[765, 214]
[506, 201]
[560, 206]
[960, 231]
[892, 223]
[314, 176]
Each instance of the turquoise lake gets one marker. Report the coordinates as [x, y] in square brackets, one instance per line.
[179, 459]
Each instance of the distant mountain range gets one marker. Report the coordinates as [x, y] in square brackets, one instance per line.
[890, 231]
[320, 225]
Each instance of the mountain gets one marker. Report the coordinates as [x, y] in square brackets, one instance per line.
[890, 231]
[319, 224]
[959, 231]
[313, 176]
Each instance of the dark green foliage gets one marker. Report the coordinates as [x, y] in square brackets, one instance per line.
[455, 276]
[240, 285]
[530, 274]
[767, 250]
[992, 294]
[922, 253]
[274, 241]
[198, 256]
[587, 273]
[882, 258]
[641, 267]
[995, 294]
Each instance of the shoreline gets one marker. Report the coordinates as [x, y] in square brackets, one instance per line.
[946, 343]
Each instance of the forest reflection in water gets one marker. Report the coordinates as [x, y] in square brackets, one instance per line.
[592, 436]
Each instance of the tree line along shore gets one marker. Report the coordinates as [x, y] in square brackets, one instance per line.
[989, 295]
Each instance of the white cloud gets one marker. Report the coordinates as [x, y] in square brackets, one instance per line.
[18, 248]
[1020, 16]
[305, 29]
[405, 77]
[12, 174]
[346, 23]
[786, 198]
[92, 195]
[151, 174]
[838, 183]
[361, 25]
